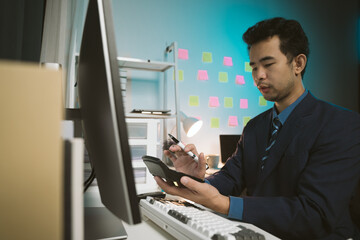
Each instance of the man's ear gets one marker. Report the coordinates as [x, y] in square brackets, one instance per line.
[299, 63]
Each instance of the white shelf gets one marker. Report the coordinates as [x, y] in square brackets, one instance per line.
[140, 64]
[149, 116]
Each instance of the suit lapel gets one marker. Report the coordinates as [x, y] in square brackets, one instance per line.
[262, 136]
[289, 131]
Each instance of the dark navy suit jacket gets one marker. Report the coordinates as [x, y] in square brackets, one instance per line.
[309, 178]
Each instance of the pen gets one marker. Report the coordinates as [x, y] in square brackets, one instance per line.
[182, 147]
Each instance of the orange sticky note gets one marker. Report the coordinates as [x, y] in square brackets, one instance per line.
[183, 54]
[202, 75]
[228, 61]
[240, 80]
[233, 121]
[243, 103]
[214, 102]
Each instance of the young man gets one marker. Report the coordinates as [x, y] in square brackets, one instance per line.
[298, 162]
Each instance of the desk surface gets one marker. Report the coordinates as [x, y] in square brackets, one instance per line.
[146, 230]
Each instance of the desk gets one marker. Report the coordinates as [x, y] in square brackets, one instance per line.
[146, 230]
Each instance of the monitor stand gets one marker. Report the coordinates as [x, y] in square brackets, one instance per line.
[100, 223]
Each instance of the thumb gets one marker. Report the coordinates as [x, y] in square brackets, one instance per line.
[191, 184]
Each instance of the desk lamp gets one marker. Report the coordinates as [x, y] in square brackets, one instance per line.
[191, 125]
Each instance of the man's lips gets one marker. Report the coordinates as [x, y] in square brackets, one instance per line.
[264, 88]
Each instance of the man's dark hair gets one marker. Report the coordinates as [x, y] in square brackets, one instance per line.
[293, 40]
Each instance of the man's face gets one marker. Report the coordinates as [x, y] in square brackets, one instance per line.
[271, 70]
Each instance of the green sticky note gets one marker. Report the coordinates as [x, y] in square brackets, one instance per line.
[193, 101]
[223, 77]
[228, 102]
[262, 101]
[215, 123]
[180, 75]
[207, 57]
[246, 120]
[247, 67]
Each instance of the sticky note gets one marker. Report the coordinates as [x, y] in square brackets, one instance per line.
[193, 101]
[228, 61]
[247, 67]
[228, 102]
[180, 75]
[207, 57]
[240, 80]
[202, 75]
[223, 77]
[262, 101]
[214, 122]
[183, 54]
[233, 121]
[214, 102]
[243, 103]
[246, 120]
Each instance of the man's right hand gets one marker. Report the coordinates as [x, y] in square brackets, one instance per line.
[186, 164]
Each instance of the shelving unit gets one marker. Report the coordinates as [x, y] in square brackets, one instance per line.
[149, 142]
[157, 66]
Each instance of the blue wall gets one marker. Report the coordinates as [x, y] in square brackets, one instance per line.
[144, 28]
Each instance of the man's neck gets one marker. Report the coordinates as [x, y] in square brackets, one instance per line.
[284, 103]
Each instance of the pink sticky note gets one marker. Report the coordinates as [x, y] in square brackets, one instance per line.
[183, 54]
[243, 103]
[233, 121]
[203, 75]
[240, 80]
[214, 102]
[228, 61]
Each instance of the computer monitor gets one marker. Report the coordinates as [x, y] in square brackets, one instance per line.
[102, 113]
[228, 143]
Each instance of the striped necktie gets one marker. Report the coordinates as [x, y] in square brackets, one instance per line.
[276, 126]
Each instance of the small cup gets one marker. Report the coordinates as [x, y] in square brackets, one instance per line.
[212, 160]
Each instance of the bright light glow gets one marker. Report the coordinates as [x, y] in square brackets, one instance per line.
[195, 127]
[190, 125]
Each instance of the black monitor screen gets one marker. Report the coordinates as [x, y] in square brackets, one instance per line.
[102, 113]
[228, 145]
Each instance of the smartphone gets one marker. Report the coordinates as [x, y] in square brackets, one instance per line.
[158, 168]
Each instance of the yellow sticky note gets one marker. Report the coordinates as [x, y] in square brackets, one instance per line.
[262, 101]
[223, 77]
[246, 120]
[180, 75]
[228, 102]
[215, 123]
[193, 101]
[207, 57]
[247, 67]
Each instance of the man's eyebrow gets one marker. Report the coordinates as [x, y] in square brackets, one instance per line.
[266, 58]
[262, 60]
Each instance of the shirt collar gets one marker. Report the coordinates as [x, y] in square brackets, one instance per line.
[287, 111]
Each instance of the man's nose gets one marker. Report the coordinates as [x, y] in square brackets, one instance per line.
[260, 74]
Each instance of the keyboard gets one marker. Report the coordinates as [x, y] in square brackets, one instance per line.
[185, 220]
